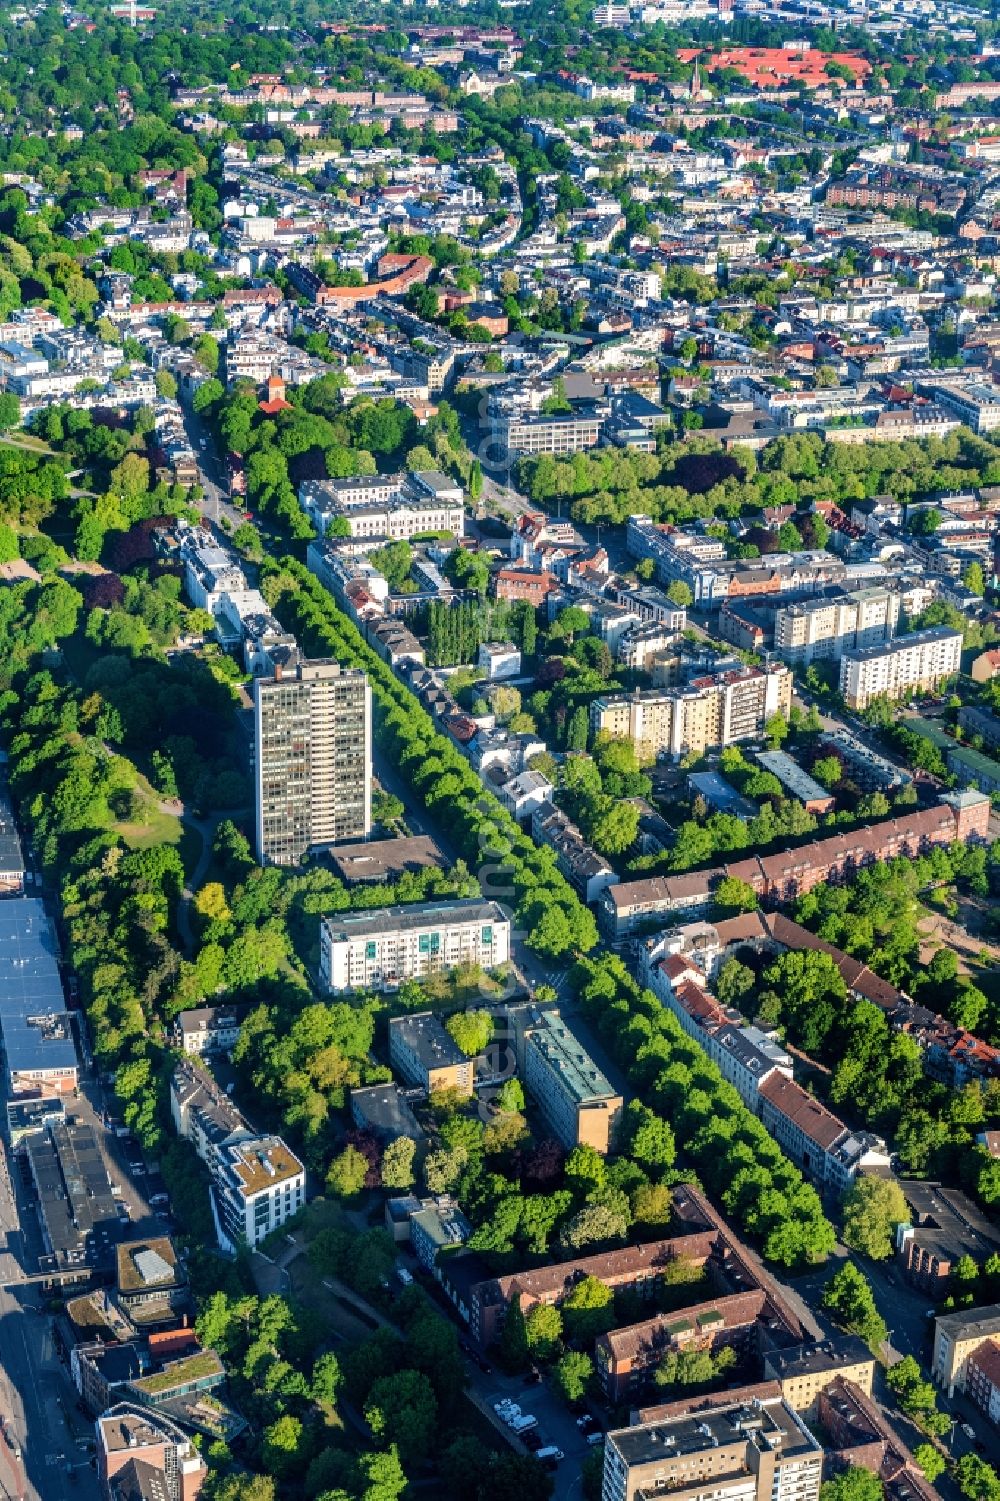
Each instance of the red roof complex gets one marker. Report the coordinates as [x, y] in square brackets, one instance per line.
[777, 67]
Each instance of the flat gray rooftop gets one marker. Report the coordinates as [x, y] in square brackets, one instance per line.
[36, 1027]
[412, 918]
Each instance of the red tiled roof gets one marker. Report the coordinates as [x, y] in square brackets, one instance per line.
[675, 967]
[699, 1005]
[812, 1118]
[771, 67]
[646, 1341]
[856, 976]
[461, 727]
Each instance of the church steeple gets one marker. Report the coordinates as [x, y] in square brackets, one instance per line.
[696, 81]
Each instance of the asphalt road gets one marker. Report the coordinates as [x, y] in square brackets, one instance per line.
[38, 1399]
[903, 1308]
[911, 1332]
[556, 1425]
[215, 506]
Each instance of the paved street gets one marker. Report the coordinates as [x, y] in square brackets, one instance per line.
[905, 1310]
[555, 1424]
[37, 1399]
[902, 1307]
[215, 506]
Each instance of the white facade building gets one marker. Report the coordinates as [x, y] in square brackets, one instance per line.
[827, 628]
[499, 659]
[379, 950]
[921, 661]
[392, 507]
[257, 1181]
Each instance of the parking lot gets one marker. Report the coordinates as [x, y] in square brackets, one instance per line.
[556, 1425]
[524, 1426]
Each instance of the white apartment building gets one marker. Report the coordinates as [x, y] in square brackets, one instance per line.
[525, 792]
[257, 1181]
[640, 645]
[130, 1436]
[976, 403]
[820, 1145]
[354, 490]
[379, 950]
[52, 382]
[393, 508]
[569, 432]
[612, 15]
[744, 1055]
[259, 1184]
[499, 659]
[726, 1449]
[921, 661]
[586, 871]
[249, 359]
[209, 573]
[18, 362]
[209, 1029]
[826, 628]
